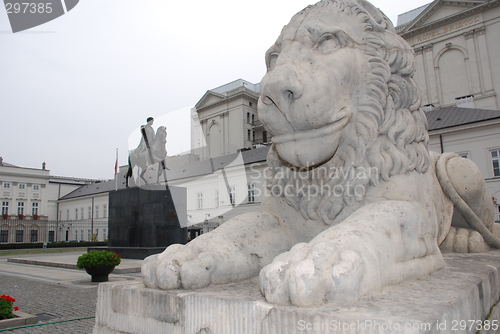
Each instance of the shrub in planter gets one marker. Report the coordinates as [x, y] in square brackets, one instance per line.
[6, 307]
[98, 264]
[98, 258]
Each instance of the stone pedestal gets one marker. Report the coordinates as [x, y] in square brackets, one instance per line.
[145, 220]
[462, 294]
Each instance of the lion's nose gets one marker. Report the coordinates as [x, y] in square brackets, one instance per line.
[282, 87]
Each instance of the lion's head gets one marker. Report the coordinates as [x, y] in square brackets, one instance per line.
[339, 97]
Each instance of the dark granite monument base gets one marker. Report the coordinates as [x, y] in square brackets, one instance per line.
[146, 220]
[136, 253]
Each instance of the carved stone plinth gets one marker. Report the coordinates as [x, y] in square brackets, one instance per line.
[467, 289]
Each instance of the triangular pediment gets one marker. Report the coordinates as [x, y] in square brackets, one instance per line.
[440, 10]
[209, 98]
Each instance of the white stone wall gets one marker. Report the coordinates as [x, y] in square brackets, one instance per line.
[457, 57]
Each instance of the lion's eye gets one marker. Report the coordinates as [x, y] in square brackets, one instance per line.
[328, 43]
[271, 60]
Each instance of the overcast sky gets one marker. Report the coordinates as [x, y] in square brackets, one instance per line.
[74, 89]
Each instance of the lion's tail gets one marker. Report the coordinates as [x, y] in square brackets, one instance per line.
[470, 216]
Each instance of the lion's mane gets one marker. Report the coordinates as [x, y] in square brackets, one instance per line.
[389, 135]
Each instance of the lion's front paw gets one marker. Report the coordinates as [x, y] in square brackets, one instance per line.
[194, 267]
[164, 270]
[314, 274]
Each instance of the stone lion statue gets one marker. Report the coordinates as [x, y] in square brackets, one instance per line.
[355, 201]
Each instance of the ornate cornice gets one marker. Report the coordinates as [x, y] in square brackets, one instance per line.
[450, 19]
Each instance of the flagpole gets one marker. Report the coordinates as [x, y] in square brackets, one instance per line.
[116, 171]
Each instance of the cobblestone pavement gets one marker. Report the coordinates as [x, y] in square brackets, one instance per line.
[52, 303]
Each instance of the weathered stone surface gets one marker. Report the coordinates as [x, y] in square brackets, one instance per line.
[465, 290]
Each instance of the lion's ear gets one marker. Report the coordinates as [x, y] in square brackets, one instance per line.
[378, 19]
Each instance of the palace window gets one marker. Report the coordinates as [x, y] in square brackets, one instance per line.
[34, 208]
[76, 214]
[20, 208]
[4, 235]
[232, 195]
[217, 198]
[22, 186]
[199, 201]
[97, 211]
[105, 211]
[19, 235]
[34, 236]
[495, 159]
[36, 187]
[251, 193]
[5, 208]
[6, 185]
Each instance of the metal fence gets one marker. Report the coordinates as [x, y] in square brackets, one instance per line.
[33, 231]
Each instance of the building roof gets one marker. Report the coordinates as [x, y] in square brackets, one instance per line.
[454, 116]
[410, 15]
[236, 84]
[2, 163]
[94, 189]
[423, 20]
[227, 92]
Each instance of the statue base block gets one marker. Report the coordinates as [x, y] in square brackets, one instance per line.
[456, 299]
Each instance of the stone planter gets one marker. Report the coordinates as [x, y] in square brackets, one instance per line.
[100, 274]
[21, 319]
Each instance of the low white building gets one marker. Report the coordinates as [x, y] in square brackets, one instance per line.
[29, 201]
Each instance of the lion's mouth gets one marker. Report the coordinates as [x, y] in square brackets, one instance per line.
[318, 132]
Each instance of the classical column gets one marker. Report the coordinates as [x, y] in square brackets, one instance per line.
[473, 63]
[484, 60]
[433, 85]
[421, 76]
